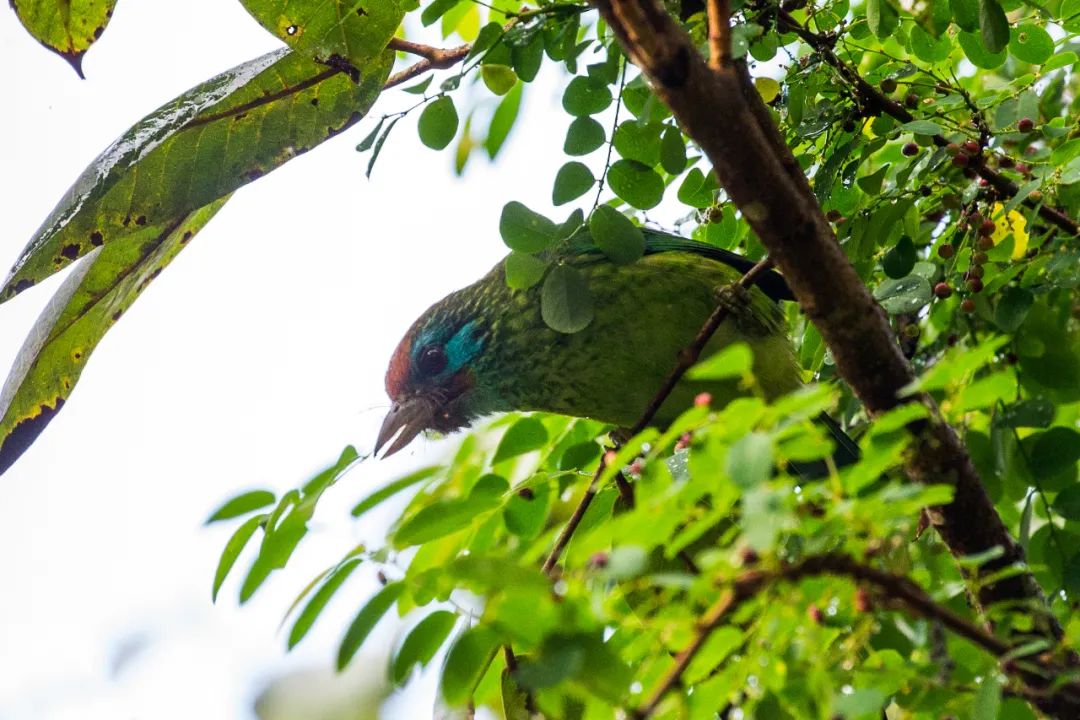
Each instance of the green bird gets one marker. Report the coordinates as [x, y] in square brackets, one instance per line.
[486, 348]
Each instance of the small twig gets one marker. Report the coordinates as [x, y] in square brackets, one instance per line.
[719, 16]
[611, 140]
[436, 60]
[895, 587]
[686, 358]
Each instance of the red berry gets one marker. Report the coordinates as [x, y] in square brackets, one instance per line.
[983, 182]
[1006, 162]
[976, 219]
[946, 250]
[987, 227]
[960, 160]
[814, 613]
[598, 560]
[1035, 196]
[976, 271]
[1025, 125]
[942, 290]
[980, 258]
[971, 147]
[968, 305]
[911, 100]
[952, 149]
[975, 285]
[985, 242]
[702, 399]
[888, 85]
[1023, 168]
[833, 215]
[526, 493]
[862, 602]
[910, 149]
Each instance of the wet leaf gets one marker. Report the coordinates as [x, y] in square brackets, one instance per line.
[86, 306]
[200, 146]
[905, 295]
[67, 28]
[355, 31]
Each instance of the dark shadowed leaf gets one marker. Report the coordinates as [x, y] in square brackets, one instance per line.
[565, 301]
[900, 258]
[1067, 503]
[526, 58]
[572, 181]
[466, 663]
[438, 123]
[977, 53]
[993, 26]
[365, 621]
[241, 505]
[197, 148]
[616, 235]
[318, 601]
[86, 306]
[638, 141]
[232, 550]
[67, 28]
[881, 17]
[526, 435]
[524, 230]
[1054, 450]
[352, 30]
[421, 644]
[1012, 308]
[673, 151]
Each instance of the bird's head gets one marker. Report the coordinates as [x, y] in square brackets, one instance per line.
[432, 378]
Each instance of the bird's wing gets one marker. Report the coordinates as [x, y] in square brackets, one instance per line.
[771, 282]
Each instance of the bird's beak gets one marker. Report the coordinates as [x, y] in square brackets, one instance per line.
[406, 420]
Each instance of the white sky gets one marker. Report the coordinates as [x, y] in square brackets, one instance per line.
[251, 361]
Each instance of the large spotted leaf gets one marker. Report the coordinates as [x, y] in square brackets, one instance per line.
[89, 302]
[67, 27]
[199, 147]
[331, 30]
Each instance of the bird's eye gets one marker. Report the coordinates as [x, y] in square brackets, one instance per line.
[432, 360]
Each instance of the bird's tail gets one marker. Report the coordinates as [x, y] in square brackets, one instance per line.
[846, 453]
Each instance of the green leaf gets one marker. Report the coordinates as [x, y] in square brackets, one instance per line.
[515, 700]
[502, 121]
[734, 361]
[750, 460]
[586, 96]
[1012, 308]
[881, 17]
[388, 491]
[196, 149]
[466, 663]
[638, 141]
[524, 230]
[1036, 413]
[1031, 43]
[565, 301]
[1053, 451]
[241, 505]
[636, 183]
[525, 514]
[354, 30]
[966, 14]
[987, 699]
[436, 10]
[922, 127]
[993, 26]
[927, 47]
[616, 235]
[421, 644]
[498, 78]
[419, 88]
[572, 181]
[583, 136]
[485, 40]
[85, 307]
[318, 601]
[977, 53]
[900, 259]
[526, 59]
[67, 28]
[366, 620]
[525, 435]
[523, 270]
[232, 550]
[369, 139]
[1067, 503]
[905, 295]
[443, 517]
[438, 123]
[379, 145]
[697, 189]
[672, 151]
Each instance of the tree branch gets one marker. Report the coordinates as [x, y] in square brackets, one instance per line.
[719, 17]
[434, 59]
[779, 205]
[1033, 669]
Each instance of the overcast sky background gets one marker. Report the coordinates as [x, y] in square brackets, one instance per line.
[254, 358]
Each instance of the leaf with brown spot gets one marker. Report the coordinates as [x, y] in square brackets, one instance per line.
[196, 149]
[67, 27]
[89, 302]
[353, 30]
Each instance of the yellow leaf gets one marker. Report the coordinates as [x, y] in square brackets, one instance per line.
[1013, 223]
[767, 88]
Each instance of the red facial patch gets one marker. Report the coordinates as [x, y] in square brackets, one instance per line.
[397, 375]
